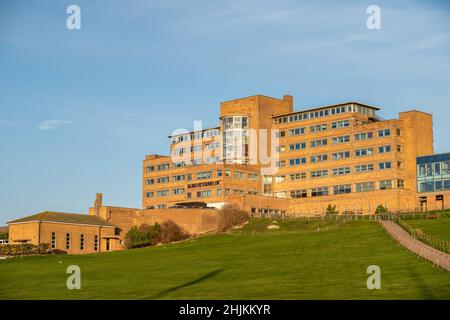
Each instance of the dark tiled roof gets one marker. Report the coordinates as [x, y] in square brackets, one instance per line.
[51, 216]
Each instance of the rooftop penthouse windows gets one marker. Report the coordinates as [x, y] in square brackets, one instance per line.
[208, 133]
[326, 112]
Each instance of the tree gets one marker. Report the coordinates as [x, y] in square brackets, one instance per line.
[4, 236]
[331, 209]
[381, 209]
[231, 216]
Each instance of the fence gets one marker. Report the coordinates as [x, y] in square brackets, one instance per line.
[435, 242]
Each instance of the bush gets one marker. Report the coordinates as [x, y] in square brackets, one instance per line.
[143, 236]
[24, 249]
[4, 236]
[231, 216]
[170, 232]
[381, 209]
[331, 209]
[146, 235]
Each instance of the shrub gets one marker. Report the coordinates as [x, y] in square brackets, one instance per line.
[170, 232]
[24, 249]
[381, 209]
[143, 236]
[4, 236]
[331, 209]
[231, 216]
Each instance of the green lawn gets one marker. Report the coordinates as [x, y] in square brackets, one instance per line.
[436, 227]
[301, 260]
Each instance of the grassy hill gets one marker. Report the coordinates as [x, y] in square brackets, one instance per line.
[436, 227]
[300, 260]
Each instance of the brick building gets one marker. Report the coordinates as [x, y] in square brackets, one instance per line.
[266, 157]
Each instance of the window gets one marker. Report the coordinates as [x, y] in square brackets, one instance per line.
[149, 194]
[227, 173]
[385, 184]
[189, 177]
[253, 176]
[363, 152]
[319, 158]
[318, 143]
[238, 192]
[279, 179]
[341, 155]
[298, 176]
[219, 192]
[365, 186]
[150, 168]
[297, 161]
[227, 191]
[399, 131]
[68, 238]
[319, 192]
[318, 128]
[384, 149]
[341, 139]
[342, 189]
[162, 193]
[163, 166]
[401, 184]
[364, 168]
[204, 175]
[53, 240]
[384, 133]
[179, 177]
[161, 206]
[363, 136]
[280, 194]
[189, 195]
[319, 174]
[341, 171]
[239, 175]
[296, 131]
[340, 124]
[150, 181]
[299, 193]
[81, 241]
[385, 165]
[280, 149]
[280, 164]
[162, 179]
[96, 243]
[178, 191]
[204, 194]
[219, 173]
[399, 148]
[297, 146]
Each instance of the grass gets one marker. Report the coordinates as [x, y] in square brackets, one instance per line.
[439, 227]
[293, 262]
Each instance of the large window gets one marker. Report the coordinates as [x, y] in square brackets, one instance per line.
[299, 193]
[365, 186]
[53, 240]
[341, 139]
[82, 242]
[318, 143]
[296, 131]
[341, 155]
[319, 192]
[342, 189]
[363, 136]
[297, 146]
[297, 161]
[433, 173]
[68, 241]
[319, 158]
[363, 152]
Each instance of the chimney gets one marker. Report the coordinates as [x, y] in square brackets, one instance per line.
[98, 203]
[290, 100]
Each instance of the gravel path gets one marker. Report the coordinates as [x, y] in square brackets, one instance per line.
[435, 256]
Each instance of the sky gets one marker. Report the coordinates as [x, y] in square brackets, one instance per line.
[80, 109]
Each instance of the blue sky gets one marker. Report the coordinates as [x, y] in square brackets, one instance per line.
[80, 109]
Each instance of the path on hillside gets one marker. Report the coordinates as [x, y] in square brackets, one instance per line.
[418, 247]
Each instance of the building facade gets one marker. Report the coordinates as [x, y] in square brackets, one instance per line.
[266, 157]
[65, 232]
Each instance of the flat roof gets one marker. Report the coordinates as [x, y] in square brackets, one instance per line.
[433, 158]
[326, 107]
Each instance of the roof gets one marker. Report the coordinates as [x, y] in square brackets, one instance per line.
[50, 216]
[433, 158]
[326, 107]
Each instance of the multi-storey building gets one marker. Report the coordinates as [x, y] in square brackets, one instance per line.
[267, 157]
